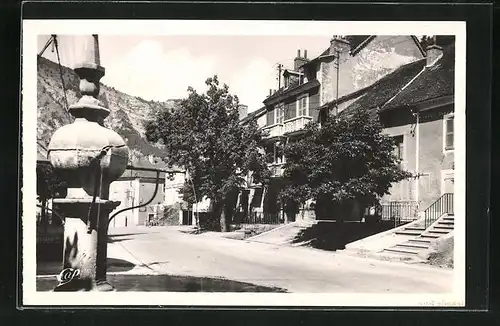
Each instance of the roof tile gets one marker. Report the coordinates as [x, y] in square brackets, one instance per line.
[388, 86]
[434, 82]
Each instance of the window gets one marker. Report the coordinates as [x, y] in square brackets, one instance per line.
[448, 133]
[270, 117]
[280, 113]
[399, 149]
[302, 106]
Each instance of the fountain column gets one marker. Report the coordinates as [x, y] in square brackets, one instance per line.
[88, 157]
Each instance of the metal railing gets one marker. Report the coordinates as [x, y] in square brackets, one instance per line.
[276, 169]
[263, 218]
[443, 205]
[273, 131]
[398, 211]
[296, 124]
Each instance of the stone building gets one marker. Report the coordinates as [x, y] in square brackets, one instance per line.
[416, 106]
[343, 73]
[134, 188]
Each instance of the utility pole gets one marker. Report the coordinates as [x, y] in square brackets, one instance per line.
[279, 75]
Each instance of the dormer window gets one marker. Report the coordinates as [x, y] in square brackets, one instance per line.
[287, 81]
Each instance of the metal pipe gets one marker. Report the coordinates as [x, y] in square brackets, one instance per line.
[130, 167]
[141, 205]
[417, 159]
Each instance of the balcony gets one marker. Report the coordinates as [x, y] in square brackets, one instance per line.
[274, 131]
[276, 169]
[296, 124]
[290, 126]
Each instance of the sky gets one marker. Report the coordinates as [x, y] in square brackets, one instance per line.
[162, 67]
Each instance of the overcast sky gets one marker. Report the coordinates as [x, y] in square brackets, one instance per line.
[162, 67]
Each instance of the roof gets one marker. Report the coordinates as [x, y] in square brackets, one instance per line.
[441, 76]
[144, 163]
[354, 41]
[388, 86]
[294, 89]
[254, 114]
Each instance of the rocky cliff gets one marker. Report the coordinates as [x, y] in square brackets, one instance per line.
[126, 118]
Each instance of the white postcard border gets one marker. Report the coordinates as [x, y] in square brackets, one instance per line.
[33, 28]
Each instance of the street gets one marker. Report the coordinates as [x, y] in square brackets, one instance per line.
[166, 250]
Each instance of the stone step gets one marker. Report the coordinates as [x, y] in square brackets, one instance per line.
[414, 228]
[446, 223]
[430, 236]
[419, 240]
[409, 232]
[438, 231]
[412, 245]
[405, 251]
[442, 227]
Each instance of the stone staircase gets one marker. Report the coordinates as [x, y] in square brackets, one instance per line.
[421, 238]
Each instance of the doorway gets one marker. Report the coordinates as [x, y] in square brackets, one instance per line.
[447, 181]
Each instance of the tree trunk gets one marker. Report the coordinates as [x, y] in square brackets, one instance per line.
[224, 227]
[225, 218]
[44, 220]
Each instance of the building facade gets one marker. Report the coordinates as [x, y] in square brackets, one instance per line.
[416, 106]
[327, 84]
[135, 188]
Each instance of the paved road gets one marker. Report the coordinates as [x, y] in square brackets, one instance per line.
[165, 250]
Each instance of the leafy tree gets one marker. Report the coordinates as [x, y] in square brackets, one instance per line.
[48, 186]
[346, 161]
[204, 136]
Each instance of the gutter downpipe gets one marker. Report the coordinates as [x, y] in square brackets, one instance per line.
[417, 159]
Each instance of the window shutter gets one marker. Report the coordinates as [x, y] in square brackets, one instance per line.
[270, 117]
[290, 111]
[449, 133]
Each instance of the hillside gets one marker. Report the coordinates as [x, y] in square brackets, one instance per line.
[126, 117]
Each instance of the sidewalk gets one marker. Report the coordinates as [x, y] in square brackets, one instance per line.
[120, 262]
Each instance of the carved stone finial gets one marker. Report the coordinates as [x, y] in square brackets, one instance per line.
[90, 72]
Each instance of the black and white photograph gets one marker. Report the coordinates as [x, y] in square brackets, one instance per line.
[242, 162]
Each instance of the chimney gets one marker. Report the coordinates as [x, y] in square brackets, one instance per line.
[299, 61]
[270, 92]
[340, 44]
[434, 51]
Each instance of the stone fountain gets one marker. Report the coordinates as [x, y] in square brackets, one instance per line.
[88, 157]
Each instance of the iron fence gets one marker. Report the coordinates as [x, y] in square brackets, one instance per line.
[398, 211]
[444, 205]
[264, 218]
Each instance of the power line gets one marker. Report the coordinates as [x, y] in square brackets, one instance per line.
[61, 73]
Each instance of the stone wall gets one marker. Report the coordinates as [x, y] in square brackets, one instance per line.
[381, 56]
[432, 157]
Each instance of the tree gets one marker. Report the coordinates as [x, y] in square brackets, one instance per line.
[48, 186]
[204, 136]
[347, 162]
